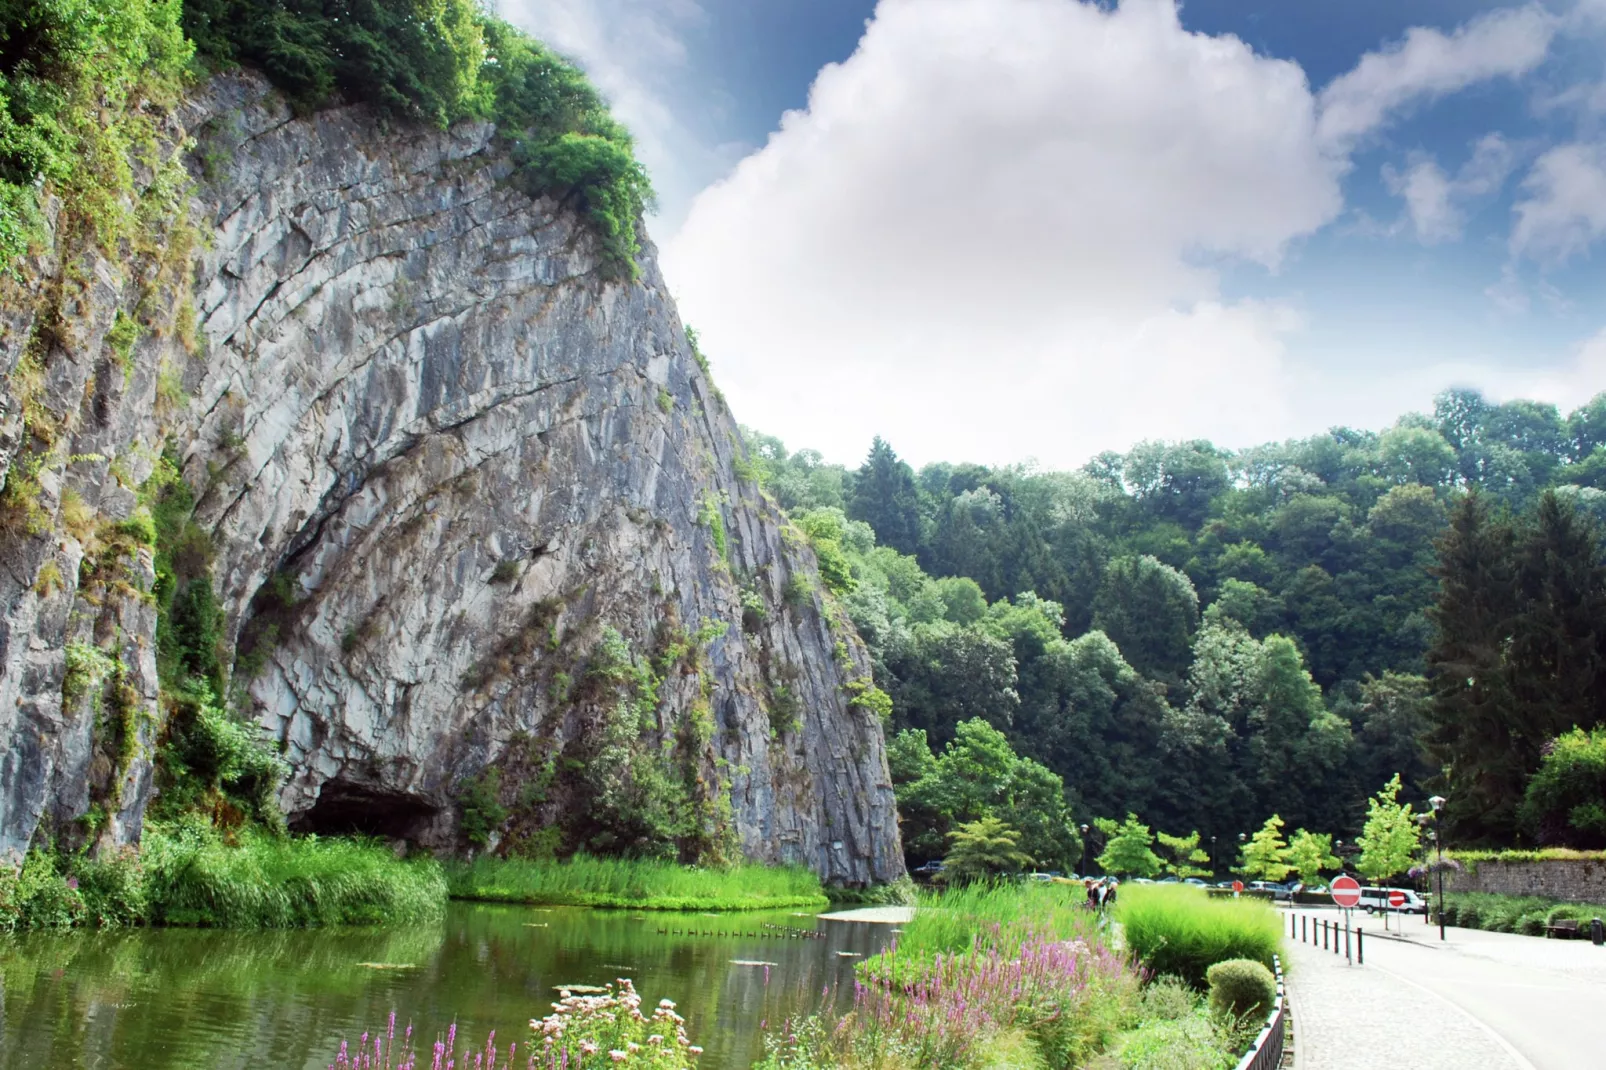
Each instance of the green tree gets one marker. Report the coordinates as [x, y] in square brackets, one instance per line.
[1184, 858]
[1264, 857]
[1128, 849]
[983, 848]
[1310, 854]
[1150, 611]
[1566, 800]
[1391, 837]
[885, 497]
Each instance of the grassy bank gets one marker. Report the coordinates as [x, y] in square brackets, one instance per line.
[185, 874]
[1182, 932]
[1523, 914]
[635, 884]
[1022, 976]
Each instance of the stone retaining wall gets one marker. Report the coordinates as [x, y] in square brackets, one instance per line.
[1572, 879]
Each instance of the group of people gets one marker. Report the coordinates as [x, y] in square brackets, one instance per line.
[1101, 892]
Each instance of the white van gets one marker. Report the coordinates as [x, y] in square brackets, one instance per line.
[1376, 899]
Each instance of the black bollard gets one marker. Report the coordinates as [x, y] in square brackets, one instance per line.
[1360, 946]
[1324, 934]
[1598, 932]
[1302, 936]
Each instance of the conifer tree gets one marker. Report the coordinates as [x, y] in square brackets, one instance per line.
[885, 497]
[1264, 857]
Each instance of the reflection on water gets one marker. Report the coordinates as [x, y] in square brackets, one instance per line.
[169, 999]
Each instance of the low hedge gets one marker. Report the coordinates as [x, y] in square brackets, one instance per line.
[1524, 915]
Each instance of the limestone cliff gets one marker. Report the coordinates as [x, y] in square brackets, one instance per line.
[468, 505]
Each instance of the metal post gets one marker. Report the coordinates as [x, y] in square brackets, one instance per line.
[1360, 946]
[1437, 803]
[1347, 957]
[1324, 934]
[1302, 920]
[1597, 932]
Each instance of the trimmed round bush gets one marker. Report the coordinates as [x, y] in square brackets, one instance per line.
[1241, 988]
[1531, 924]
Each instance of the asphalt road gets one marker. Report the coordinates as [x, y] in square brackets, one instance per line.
[1487, 1000]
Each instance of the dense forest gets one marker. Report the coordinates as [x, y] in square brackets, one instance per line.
[1206, 637]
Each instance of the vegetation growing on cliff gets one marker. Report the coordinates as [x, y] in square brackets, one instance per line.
[441, 62]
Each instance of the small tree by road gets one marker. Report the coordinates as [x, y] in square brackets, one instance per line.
[1184, 857]
[1391, 838]
[1310, 854]
[1263, 858]
[1128, 851]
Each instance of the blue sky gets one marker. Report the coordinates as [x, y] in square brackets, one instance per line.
[1000, 229]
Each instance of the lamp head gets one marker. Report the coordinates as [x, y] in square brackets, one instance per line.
[1437, 802]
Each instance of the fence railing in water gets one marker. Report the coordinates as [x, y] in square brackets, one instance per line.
[1266, 1053]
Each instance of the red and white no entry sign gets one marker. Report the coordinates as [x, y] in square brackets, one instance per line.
[1396, 899]
[1347, 892]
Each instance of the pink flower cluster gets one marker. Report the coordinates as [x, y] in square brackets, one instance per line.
[581, 1033]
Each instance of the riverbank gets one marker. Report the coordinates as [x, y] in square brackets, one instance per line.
[635, 884]
[186, 874]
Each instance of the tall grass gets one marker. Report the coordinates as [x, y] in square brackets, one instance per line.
[1182, 931]
[638, 884]
[271, 882]
[989, 916]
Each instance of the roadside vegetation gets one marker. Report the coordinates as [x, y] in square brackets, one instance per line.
[1182, 932]
[634, 883]
[1023, 975]
[1522, 914]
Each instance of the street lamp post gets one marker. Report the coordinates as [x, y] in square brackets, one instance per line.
[1437, 802]
[1084, 851]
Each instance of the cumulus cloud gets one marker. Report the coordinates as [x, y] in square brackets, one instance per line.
[1429, 63]
[1563, 207]
[1435, 201]
[992, 193]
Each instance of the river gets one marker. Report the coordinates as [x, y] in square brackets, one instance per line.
[176, 999]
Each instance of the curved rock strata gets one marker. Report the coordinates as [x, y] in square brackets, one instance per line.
[468, 466]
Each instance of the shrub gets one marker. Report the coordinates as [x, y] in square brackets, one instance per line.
[1241, 988]
[1167, 999]
[1189, 1042]
[639, 884]
[1182, 932]
[1565, 802]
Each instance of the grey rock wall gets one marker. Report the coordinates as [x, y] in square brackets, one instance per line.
[416, 400]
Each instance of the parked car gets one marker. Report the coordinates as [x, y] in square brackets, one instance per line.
[928, 869]
[1196, 882]
[1169, 880]
[1376, 899]
[1044, 877]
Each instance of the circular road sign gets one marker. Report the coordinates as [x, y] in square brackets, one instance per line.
[1396, 900]
[1347, 892]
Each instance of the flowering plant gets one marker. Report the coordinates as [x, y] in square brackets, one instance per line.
[583, 1032]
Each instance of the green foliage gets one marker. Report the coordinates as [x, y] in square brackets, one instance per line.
[506, 571]
[1183, 932]
[978, 775]
[1128, 849]
[1184, 858]
[982, 849]
[1194, 1041]
[480, 805]
[1565, 802]
[1265, 856]
[1241, 988]
[1310, 854]
[74, 80]
[635, 883]
[825, 529]
[864, 695]
[212, 762]
[1391, 838]
[1150, 611]
[1526, 915]
[270, 882]
[710, 516]
[439, 61]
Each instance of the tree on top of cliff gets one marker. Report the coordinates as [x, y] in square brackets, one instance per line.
[439, 62]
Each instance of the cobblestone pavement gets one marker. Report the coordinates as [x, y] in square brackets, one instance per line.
[1486, 1000]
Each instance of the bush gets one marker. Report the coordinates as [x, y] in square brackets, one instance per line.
[1565, 802]
[1241, 988]
[1167, 999]
[1190, 1042]
[1182, 932]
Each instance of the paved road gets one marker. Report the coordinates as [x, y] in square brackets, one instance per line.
[1488, 1000]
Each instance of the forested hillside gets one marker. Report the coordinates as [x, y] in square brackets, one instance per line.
[1206, 636]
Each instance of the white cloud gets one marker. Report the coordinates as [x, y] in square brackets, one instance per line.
[1434, 201]
[1563, 210]
[1430, 63]
[635, 52]
[992, 193]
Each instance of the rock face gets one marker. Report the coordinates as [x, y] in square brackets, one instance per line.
[494, 498]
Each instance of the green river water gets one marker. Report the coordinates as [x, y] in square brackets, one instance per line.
[174, 999]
